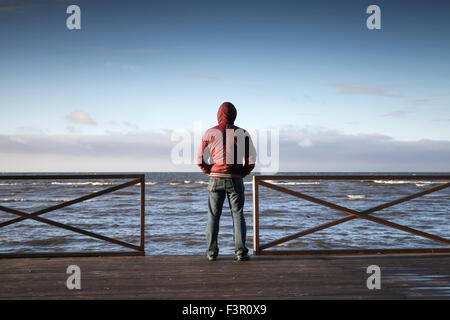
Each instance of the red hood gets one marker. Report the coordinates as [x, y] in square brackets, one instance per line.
[227, 113]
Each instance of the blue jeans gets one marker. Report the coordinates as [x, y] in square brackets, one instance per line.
[233, 188]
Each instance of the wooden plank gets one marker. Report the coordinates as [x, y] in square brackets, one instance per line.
[354, 251]
[70, 254]
[424, 276]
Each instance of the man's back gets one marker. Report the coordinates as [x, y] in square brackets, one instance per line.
[230, 147]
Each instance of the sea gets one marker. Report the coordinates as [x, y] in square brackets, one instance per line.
[176, 214]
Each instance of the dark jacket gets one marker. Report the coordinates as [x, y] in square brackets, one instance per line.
[226, 149]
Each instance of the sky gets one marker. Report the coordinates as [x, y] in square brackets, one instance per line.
[109, 97]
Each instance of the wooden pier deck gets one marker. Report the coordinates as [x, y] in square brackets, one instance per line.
[418, 276]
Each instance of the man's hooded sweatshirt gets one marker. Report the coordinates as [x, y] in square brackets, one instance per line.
[226, 150]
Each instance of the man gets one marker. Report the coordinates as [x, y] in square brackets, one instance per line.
[233, 157]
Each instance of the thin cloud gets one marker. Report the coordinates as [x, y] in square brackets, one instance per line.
[124, 124]
[305, 142]
[357, 89]
[201, 76]
[397, 114]
[441, 120]
[125, 50]
[421, 101]
[131, 67]
[72, 129]
[123, 67]
[28, 130]
[81, 117]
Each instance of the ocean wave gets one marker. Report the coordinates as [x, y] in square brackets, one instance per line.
[13, 200]
[293, 183]
[279, 227]
[22, 184]
[269, 211]
[48, 241]
[187, 182]
[125, 193]
[355, 196]
[417, 183]
[423, 184]
[83, 183]
[176, 183]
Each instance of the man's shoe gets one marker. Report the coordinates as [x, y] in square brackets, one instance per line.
[211, 258]
[244, 257]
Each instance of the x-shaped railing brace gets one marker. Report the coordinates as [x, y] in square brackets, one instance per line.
[36, 215]
[353, 214]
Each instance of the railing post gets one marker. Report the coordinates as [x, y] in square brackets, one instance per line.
[142, 246]
[255, 216]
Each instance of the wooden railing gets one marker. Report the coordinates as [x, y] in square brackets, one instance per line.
[260, 249]
[37, 215]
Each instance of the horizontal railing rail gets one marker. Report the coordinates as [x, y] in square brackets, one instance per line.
[260, 249]
[36, 216]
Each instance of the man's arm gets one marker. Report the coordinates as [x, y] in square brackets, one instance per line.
[250, 155]
[203, 153]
